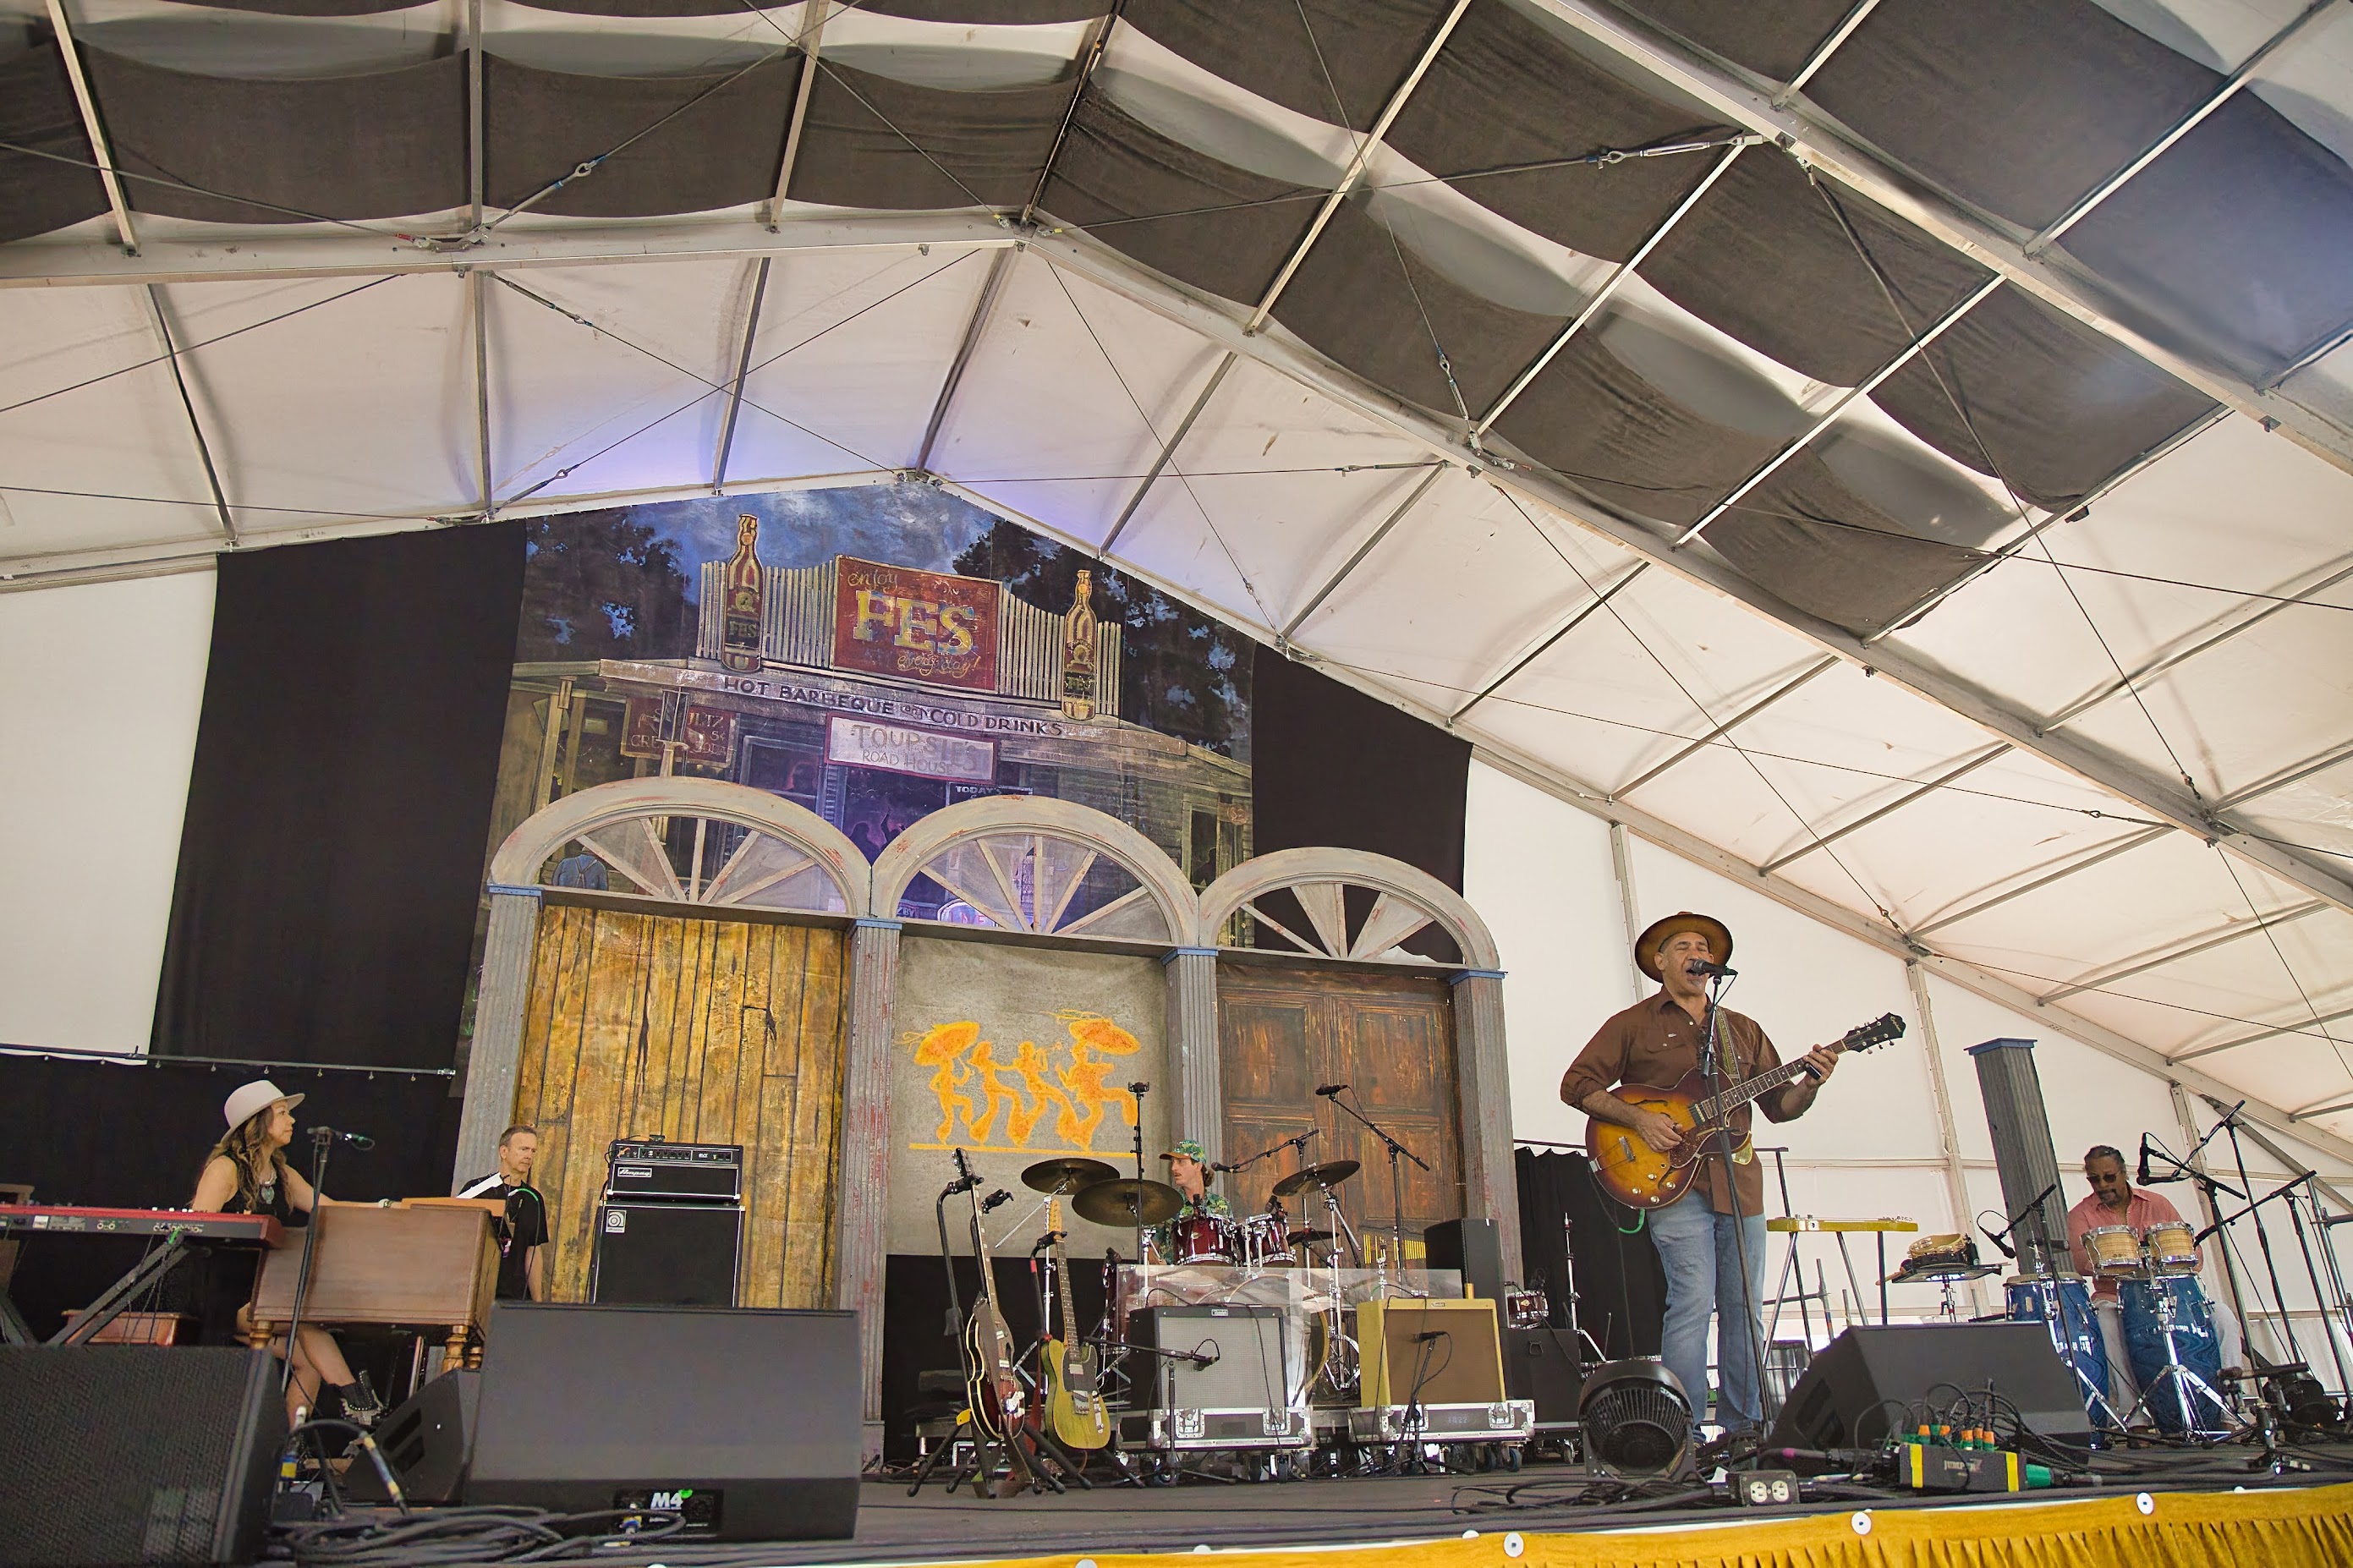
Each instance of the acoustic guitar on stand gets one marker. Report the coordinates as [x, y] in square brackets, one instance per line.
[1642, 1177]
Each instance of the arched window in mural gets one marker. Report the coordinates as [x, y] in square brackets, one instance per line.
[1036, 867]
[1338, 903]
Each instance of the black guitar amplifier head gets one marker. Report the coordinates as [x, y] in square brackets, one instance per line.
[648, 1168]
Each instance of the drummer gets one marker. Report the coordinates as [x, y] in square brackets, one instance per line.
[2115, 1201]
[1188, 1172]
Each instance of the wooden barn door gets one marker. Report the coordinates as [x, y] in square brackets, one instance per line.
[1283, 1029]
[703, 1032]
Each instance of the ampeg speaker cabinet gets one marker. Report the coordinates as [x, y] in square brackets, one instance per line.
[746, 1422]
[1475, 1246]
[1837, 1404]
[1241, 1399]
[1440, 1351]
[643, 1168]
[136, 1454]
[666, 1253]
[426, 1442]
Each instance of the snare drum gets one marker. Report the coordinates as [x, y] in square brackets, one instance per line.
[2170, 1249]
[1262, 1241]
[1202, 1238]
[2116, 1251]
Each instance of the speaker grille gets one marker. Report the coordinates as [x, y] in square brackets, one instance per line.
[127, 1454]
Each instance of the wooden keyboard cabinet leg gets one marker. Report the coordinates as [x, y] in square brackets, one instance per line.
[453, 1355]
[260, 1335]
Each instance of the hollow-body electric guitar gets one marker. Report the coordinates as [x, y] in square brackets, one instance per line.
[1076, 1415]
[1642, 1177]
[991, 1387]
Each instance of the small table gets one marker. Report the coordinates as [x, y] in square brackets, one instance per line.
[1796, 1225]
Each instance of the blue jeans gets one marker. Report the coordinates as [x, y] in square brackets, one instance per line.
[1695, 1245]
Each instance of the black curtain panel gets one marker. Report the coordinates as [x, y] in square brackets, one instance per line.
[1566, 1218]
[331, 859]
[132, 1134]
[915, 1327]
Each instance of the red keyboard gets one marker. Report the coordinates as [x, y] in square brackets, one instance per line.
[48, 1219]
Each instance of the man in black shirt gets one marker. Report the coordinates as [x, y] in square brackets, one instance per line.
[523, 1233]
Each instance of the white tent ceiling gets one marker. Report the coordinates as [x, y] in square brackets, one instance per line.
[2103, 773]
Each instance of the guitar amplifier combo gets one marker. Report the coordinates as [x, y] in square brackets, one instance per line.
[1431, 1369]
[697, 1173]
[1243, 1398]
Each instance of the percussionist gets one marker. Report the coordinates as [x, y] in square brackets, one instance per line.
[2115, 1201]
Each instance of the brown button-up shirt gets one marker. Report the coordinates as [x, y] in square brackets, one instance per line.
[1655, 1044]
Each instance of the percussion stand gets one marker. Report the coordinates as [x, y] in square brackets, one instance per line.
[1342, 1355]
[2208, 1185]
[2184, 1382]
[2309, 1182]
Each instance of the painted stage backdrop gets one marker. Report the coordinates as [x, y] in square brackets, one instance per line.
[874, 653]
[1017, 1055]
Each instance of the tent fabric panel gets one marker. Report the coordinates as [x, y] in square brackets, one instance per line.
[382, 145]
[695, 142]
[2058, 406]
[2241, 232]
[1505, 93]
[1775, 41]
[312, 7]
[2019, 106]
[1374, 305]
[1016, 13]
[37, 111]
[968, 149]
[1807, 537]
[1597, 424]
[1299, 53]
[645, 8]
[1202, 222]
[1764, 258]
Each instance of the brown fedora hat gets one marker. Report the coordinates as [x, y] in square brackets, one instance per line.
[1646, 946]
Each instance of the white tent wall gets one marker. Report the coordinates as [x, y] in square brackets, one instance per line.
[99, 689]
[1539, 870]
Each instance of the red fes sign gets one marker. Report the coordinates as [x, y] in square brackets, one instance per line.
[917, 626]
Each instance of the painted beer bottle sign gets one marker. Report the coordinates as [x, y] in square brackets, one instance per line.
[1079, 642]
[743, 599]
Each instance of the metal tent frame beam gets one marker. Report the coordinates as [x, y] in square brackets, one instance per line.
[2286, 776]
[1921, 792]
[735, 383]
[1167, 454]
[2175, 952]
[992, 287]
[2307, 1021]
[1718, 731]
[1561, 627]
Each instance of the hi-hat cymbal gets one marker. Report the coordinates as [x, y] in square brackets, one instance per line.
[1330, 1174]
[1127, 1203]
[1066, 1174]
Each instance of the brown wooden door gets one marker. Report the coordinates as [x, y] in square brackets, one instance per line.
[702, 1032]
[1283, 1030]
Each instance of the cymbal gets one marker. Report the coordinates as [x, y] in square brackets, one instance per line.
[1066, 1174]
[1128, 1202]
[1330, 1174]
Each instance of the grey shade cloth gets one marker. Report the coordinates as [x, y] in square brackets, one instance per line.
[1764, 256]
[1353, 300]
[976, 148]
[1504, 92]
[306, 7]
[1113, 168]
[999, 12]
[1772, 37]
[37, 110]
[1595, 422]
[640, 7]
[2020, 106]
[1299, 53]
[382, 145]
[1804, 536]
[2241, 233]
[2058, 406]
[722, 148]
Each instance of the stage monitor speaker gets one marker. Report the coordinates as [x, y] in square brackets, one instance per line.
[1438, 1350]
[1248, 1372]
[1541, 1365]
[1841, 1402]
[136, 1454]
[744, 1421]
[425, 1441]
[1475, 1246]
[666, 1253]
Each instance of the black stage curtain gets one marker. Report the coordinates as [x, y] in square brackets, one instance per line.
[1330, 765]
[332, 855]
[916, 1337]
[132, 1135]
[1565, 1216]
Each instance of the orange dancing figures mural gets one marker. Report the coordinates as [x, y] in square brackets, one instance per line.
[976, 1087]
[943, 1047]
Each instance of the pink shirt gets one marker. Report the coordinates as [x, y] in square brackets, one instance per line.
[2145, 1209]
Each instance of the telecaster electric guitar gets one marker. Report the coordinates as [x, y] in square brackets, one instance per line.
[1642, 1177]
[1076, 1414]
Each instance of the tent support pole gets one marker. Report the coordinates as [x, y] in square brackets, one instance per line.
[2174, 952]
[474, 153]
[162, 325]
[1948, 1136]
[1822, 56]
[811, 39]
[2280, 781]
[1630, 907]
[1720, 731]
[1970, 911]
[2259, 1038]
[1000, 267]
[1372, 542]
[1168, 452]
[735, 385]
[70, 52]
[1824, 840]
[1542, 644]
[479, 300]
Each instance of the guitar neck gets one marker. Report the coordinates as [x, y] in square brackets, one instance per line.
[1061, 1273]
[1741, 1093]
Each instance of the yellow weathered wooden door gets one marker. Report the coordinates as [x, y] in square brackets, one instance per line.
[699, 1032]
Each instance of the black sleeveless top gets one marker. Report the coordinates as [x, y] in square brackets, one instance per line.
[225, 1277]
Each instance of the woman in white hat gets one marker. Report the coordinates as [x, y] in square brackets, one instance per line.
[248, 1172]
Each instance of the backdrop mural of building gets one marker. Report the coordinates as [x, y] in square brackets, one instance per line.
[874, 653]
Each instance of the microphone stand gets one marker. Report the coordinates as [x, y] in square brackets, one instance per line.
[2208, 1184]
[1396, 1182]
[1711, 1068]
[321, 1139]
[1139, 1089]
[1299, 1144]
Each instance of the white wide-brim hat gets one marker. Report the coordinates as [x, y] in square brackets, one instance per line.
[249, 1099]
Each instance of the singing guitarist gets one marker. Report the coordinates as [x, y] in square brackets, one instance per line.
[1653, 1044]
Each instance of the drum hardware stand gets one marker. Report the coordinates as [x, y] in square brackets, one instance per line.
[2184, 1382]
[1343, 1357]
[2309, 1180]
[1576, 1314]
[2043, 1264]
[1398, 1152]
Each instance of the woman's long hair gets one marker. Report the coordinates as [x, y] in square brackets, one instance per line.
[246, 1145]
